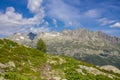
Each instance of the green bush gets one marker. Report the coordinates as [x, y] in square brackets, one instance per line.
[15, 76]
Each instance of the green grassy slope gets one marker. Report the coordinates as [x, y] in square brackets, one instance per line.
[18, 62]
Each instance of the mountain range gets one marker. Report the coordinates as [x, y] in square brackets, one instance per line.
[93, 47]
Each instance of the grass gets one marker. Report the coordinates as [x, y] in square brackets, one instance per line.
[28, 63]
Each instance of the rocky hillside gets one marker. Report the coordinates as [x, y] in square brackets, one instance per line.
[18, 62]
[93, 47]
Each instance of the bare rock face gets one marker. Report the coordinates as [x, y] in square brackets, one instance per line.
[107, 37]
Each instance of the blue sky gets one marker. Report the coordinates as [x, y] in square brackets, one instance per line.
[49, 15]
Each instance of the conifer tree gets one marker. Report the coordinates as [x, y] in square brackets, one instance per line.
[41, 45]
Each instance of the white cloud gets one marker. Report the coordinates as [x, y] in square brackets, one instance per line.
[70, 23]
[40, 29]
[69, 14]
[105, 21]
[92, 13]
[11, 21]
[117, 25]
[114, 32]
[55, 23]
[34, 5]
[62, 11]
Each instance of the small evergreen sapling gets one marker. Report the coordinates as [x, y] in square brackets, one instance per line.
[41, 45]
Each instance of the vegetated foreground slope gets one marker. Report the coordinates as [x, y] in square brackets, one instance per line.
[93, 47]
[18, 62]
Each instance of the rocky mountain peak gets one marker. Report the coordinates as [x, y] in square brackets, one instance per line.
[32, 35]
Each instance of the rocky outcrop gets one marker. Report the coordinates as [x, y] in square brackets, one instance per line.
[110, 68]
[94, 71]
[3, 67]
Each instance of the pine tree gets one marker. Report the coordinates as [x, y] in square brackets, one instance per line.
[41, 45]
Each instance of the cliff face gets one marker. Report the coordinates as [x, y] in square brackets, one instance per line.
[107, 37]
[81, 44]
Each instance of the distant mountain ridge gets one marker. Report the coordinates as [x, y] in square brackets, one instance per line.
[108, 38]
[93, 47]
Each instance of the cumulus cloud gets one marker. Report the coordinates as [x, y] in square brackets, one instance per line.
[105, 21]
[116, 25]
[11, 21]
[34, 5]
